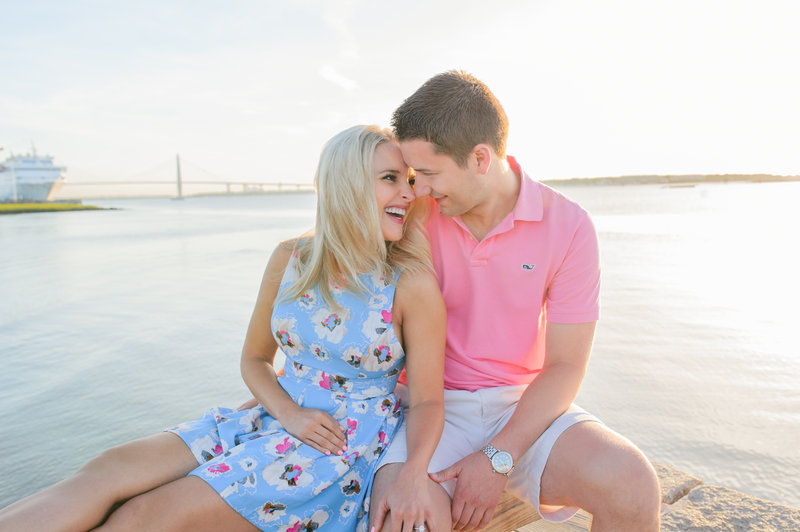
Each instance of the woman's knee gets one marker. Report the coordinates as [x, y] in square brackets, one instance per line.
[104, 462]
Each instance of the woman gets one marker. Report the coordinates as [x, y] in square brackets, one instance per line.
[348, 306]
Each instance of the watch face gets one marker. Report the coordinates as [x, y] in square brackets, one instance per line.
[502, 462]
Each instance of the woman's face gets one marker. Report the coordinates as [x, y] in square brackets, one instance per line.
[393, 193]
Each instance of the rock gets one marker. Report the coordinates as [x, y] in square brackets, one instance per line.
[674, 483]
[714, 508]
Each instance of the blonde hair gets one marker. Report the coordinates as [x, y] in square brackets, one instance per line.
[348, 240]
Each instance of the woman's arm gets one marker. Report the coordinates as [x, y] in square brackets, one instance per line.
[311, 426]
[421, 313]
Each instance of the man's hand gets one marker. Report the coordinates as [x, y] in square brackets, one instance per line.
[478, 490]
[316, 428]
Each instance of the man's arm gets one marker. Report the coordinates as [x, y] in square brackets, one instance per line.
[478, 488]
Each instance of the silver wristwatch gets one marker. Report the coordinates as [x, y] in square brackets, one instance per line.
[501, 461]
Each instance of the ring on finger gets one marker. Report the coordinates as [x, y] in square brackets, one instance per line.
[420, 528]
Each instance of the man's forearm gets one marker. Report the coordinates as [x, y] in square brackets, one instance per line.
[546, 398]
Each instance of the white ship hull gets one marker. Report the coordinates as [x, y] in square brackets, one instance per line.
[29, 178]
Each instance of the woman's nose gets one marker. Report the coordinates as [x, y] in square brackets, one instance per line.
[408, 192]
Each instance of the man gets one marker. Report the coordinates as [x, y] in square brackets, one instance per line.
[519, 271]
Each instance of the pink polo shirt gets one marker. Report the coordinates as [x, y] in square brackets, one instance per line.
[540, 264]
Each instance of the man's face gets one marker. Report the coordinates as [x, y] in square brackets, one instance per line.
[437, 175]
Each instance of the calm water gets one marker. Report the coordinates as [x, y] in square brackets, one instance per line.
[115, 324]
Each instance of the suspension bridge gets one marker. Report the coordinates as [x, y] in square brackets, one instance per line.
[178, 179]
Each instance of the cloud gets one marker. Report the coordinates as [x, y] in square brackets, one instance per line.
[338, 17]
[328, 72]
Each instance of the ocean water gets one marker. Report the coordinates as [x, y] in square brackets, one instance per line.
[115, 324]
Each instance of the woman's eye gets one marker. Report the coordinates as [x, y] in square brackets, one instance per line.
[411, 181]
[390, 177]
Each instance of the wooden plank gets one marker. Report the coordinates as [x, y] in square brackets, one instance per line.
[511, 513]
[580, 522]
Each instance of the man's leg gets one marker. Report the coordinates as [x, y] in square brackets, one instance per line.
[593, 468]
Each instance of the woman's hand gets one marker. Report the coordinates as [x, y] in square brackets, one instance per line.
[247, 405]
[412, 501]
[316, 428]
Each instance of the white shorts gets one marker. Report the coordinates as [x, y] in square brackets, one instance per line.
[472, 419]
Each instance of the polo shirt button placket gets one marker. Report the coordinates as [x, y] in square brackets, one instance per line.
[480, 254]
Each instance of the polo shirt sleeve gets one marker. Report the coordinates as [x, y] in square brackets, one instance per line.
[574, 293]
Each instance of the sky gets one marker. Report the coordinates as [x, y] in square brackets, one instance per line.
[250, 90]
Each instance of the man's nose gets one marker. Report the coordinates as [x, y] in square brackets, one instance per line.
[421, 186]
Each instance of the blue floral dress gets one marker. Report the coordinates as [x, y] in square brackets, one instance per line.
[345, 362]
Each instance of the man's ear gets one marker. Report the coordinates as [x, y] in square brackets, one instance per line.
[481, 157]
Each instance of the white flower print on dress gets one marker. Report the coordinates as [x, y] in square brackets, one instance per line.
[299, 369]
[347, 508]
[360, 407]
[246, 484]
[382, 353]
[281, 445]
[251, 421]
[335, 288]
[272, 425]
[352, 356]
[284, 330]
[216, 469]
[248, 464]
[309, 299]
[379, 281]
[271, 511]
[385, 406]
[341, 464]
[320, 487]
[331, 325]
[290, 275]
[288, 473]
[296, 524]
[376, 324]
[206, 448]
[341, 411]
[378, 301]
[331, 382]
[319, 352]
[351, 484]
[377, 446]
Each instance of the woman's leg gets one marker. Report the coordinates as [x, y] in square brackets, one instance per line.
[84, 500]
[187, 504]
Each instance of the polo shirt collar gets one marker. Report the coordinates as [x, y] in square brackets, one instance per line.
[529, 206]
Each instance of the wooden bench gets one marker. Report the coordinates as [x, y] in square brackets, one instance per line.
[514, 515]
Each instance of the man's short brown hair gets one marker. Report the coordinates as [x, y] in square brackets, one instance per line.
[454, 111]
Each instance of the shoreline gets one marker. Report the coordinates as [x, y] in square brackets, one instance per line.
[23, 208]
[683, 180]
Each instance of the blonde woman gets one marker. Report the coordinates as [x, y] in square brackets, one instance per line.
[349, 305]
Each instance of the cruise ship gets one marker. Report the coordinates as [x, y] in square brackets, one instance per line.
[29, 177]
